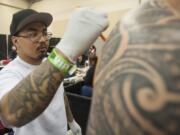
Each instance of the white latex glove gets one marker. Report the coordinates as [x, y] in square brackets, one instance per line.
[75, 128]
[84, 26]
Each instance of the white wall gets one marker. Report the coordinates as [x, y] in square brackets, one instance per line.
[15, 3]
[6, 16]
[7, 8]
[62, 9]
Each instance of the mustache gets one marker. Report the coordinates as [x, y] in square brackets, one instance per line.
[42, 46]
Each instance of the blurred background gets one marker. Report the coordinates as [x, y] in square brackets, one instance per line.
[61, 10]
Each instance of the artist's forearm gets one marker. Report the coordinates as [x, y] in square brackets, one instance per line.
[68, 110]
[31, 96]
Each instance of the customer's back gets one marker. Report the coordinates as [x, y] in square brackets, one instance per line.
[137, 84]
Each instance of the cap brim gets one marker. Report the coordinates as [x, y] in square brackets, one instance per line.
[45, 18]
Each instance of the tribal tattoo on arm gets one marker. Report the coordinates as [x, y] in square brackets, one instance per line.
[31, 96]
[137, 81]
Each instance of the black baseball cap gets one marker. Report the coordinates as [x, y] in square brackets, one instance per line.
[26, 16]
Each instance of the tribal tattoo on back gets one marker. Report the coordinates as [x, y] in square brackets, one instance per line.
[137, 81]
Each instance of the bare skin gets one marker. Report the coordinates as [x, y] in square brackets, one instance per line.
[137, 80]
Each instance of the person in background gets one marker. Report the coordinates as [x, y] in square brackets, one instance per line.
[92, 50]
[32, 98]
[79, 62]
[137, 80]
[87, 88]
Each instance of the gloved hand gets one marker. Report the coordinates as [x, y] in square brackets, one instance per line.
[84, 27]
[75, 128]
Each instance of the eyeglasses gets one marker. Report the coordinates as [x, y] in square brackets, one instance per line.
[36, 36]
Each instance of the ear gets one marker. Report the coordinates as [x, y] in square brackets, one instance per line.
[15, 42]
[174, 5]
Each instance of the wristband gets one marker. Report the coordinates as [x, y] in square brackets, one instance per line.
[61, 63]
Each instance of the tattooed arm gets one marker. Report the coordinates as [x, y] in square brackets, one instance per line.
[31, 96]
[137, 84]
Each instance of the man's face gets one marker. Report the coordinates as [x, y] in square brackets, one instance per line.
[32, 42]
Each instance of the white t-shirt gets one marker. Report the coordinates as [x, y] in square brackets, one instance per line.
[53, 120]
